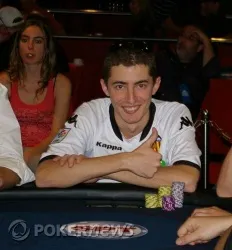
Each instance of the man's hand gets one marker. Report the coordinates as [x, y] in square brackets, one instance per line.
[69, 160]
[197, 34]
[210, 211]
[207, 48]
[144, 161]
[197, 230]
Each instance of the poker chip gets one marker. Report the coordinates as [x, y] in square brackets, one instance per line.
[164, 191]
[168, 203]
[168, 197]
[178, 193]
[153, 201]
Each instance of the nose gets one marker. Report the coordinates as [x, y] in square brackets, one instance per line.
[131, 96]
[30, 44]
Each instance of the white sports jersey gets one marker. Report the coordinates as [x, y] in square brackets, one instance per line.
[11, 152]
[92, 131]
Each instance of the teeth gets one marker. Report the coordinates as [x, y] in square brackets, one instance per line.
[29, 55]
[131, 109]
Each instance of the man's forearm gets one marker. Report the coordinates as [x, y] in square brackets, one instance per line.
[164, 176]
[224, 184]
[51, 174]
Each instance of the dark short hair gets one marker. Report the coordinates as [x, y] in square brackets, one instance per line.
[129, 54]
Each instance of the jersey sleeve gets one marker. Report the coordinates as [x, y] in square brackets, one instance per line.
[182, 147]
[77, 135]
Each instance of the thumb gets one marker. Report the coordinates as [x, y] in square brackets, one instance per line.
[149, 142]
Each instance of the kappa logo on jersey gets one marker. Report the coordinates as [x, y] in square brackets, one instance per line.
[61, 135]
[107, 146]
[185, 122]
[73, 119]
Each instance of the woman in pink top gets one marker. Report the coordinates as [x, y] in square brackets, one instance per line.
[39, 97]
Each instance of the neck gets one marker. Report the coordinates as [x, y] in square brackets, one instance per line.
[131, 130]
[32, 72]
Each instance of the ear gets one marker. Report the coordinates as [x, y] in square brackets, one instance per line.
[156, 85]
[104, 87]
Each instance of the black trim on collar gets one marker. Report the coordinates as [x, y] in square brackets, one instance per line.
[114, 124]
[147, 128]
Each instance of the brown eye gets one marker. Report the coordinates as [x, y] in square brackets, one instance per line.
[38, 41]
[23, 40]
[119, 86]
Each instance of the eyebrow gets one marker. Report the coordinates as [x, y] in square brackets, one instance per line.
[36, 37]
[124, 83]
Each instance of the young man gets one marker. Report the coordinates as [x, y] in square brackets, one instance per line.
[13, 170]
[112, 138]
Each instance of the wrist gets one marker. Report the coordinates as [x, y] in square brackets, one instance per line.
[126, 161]
[228, 222]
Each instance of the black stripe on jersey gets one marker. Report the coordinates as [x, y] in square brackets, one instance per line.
[49, 157]
[188, 163]
[114, 124]
[150, 122]
[146, 129]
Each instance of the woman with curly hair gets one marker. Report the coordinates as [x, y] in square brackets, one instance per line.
[39, 96]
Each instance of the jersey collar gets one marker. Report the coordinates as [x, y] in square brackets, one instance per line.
[146, 129]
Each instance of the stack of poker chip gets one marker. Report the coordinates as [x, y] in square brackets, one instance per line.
[178, 193]
[152, 201]
[168, 203]
[168, 198]
[165, 193]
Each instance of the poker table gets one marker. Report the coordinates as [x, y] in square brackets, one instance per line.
[94, 216]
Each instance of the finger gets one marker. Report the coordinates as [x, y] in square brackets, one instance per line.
[202, 214]
[56, 158]
[200, 211]
[192, 243]
[205, 212]
[80, 158]
[149, 142]
[63, 160]
[184, 229]
[71, 160]
[188, 239]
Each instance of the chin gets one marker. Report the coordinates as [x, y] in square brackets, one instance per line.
[131, 120]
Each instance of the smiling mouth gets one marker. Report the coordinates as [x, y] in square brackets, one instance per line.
[131, 110]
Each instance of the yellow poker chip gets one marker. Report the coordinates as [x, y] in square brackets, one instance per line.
[153, 201]
[164, 191]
